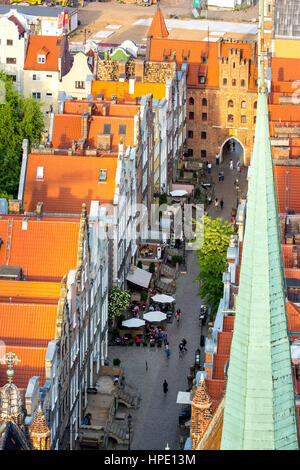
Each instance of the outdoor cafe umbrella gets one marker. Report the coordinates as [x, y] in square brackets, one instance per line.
[155, 316]
[163, 299]
[178, 192]
[133, 323]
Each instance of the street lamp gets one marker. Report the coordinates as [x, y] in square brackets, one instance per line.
[197, 358]
[129, 419]
[237, 192]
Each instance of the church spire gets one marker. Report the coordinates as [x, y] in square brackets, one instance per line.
[259, 404]
[158, 27]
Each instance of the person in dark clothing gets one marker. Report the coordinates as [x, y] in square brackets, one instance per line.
[184, 342]
[165, 387]
[221, 204]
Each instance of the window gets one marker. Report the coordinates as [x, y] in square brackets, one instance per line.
[79, 85]
[230, 117]
[255, 105]
[233, 65]
[122, 129]
[203, 135]
[9, 42]
[269, 8]
[243, 104]
[48, 95]
[49, 76]
[41, 59]
[203, 153]
[190, 134]
[204, 116]
[204, 102]
[254, 120]
[14, 77]
[190, 152]
[224, 81]
[40, 173]
[11, 60]
[230, 104]
[106, 129]
[201, 79]
[36, 95]
[102, 175]
[242, 82]
[36, 78]
[234, 82]
[191, 101]
[203, 60]
[243, 119]
[191, 116]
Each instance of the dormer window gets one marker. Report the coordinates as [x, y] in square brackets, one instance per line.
[201, 79]
[40, 173]
[102, 175]
[41, 59]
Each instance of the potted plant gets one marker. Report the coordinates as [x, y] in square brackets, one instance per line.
[140, 264]
[130, 342]
[152, 345]
[116, 361]
[195, 175]
[181, 173]
[152, 267]
[159, 343]
[176, 259]
[145, 343]
[144, 296]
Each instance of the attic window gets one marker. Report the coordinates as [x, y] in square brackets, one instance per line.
[41, 59]
[201, 79]
[122, 129]
[40, 173]
[203, 60]
[102, 175]
[58, 42]
[106, 129]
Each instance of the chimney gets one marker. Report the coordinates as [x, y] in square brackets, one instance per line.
[105, 109]
[90, 108]
[25, 145]
[14, 206]
[295, 257]
[74, 145]
[39, 210]
[84, 125]
[122, 69]
[139, 70]
[104, 142]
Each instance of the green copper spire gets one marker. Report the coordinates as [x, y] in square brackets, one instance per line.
[259, 404]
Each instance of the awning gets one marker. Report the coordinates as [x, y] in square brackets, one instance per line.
[133, 323]
[184, 398]
[139, 276]
[155, 316]
[163, 298]
[186, 187]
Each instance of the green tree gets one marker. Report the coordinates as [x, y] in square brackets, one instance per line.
[20, 118]
[212, 259]
[152, 268]
[118, 301]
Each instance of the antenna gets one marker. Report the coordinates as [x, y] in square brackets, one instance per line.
[262, 36]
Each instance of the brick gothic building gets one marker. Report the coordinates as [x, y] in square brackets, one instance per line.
[221, 90]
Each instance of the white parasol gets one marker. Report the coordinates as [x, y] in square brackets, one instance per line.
[163, 298]
[133, 323]
[155, 316]
[178, 192]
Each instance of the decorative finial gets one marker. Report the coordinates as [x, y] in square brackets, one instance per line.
[10, 359]
[167, 447]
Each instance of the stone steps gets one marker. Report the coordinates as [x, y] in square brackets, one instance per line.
[118, 432]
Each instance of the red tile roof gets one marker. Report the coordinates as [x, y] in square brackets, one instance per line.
[121, 90]
[28, 292]
[224, 342]
[68, 182]
[17, 23]
[287, 188]
[53, 44]
[158, 27]
[293, 316]
[27, 325]
[228, 323]
[67, 127]
[215, 389]
[46, 250]
[219, 365]
[292, 273]
[112, 109]
[32, 363]
[287, 256]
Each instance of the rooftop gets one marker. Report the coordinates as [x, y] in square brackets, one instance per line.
[49, 46]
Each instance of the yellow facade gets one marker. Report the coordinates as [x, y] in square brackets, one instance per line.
[287, 48]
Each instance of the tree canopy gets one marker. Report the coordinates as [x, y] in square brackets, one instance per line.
[20, 118]
[212, 259]
[119, 300]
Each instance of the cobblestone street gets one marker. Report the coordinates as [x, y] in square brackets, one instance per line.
[155, 423]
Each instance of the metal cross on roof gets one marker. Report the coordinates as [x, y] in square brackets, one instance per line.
[10, 359]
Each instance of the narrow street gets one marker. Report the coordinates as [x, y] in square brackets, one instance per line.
[155, 422]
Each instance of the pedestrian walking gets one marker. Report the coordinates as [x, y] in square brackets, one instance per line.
[209, 168]
[217, 159]
[216, 204]
[206, 163]
[167, 350]
[178, 315]
[222, 175]
[184, 343]
[221, 204]
[238, 167]
[181, 351]
[165, 387]
[231, 165]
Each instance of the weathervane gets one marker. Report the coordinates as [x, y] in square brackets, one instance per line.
[10, 359]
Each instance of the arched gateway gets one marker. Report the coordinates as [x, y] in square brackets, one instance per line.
[232, 149]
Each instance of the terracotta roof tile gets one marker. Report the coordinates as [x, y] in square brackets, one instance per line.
[46, 250]
[292, 273]
[228, 323]
[219, 365]
[32, 363]
[293, 316]
[68, 182]
[39, 426]
[287, 256]
[215, 388]
[26, 291]
[35, 44]
[121, 90]
[158, 27]
[17, 23]
[224, 342]
[287, 188]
